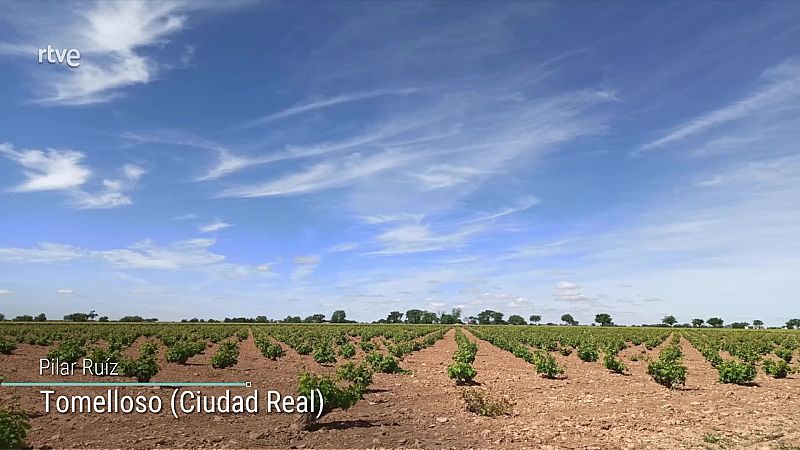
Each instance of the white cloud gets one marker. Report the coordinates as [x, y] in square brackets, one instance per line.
[325, 175]
[307, 260]
[133, 172]
[344, 247]
[46, 252]
[50, 170]
[61, 170]
[446, 175]
[5, 292]
[305, 266]
[189, 254]
[121, 43]
[324, 103]
[399, 217]
[65, 292]
[780, 88]
[113, 194]
[187, 216]
[571, 292]
[217, 225]
[418, 237]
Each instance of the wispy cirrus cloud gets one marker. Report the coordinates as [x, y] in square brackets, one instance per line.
[217, 225]
[323, 103]
[186, 255]
[779, 89]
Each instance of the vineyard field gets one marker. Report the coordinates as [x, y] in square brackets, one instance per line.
[429, 386]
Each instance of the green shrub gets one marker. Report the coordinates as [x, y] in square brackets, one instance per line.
[776, 369]
[671, 353]
[588, 353]
[324, 354]
[14, 427]
[70, 350]
[667, 373]
[227, 355]
[269, 349]
[180, 352]
[383, 364]
[784, 354]
[100, 354]
[479, 402]
[360, 375]
[735, 372]
[461, 372]
[142, 368]
[565, 351]
[367, 346]
[333, 395]
[7, 346]
[547, 366]
[304, 348]
[347, 350]
[612, 363]
[668, 370]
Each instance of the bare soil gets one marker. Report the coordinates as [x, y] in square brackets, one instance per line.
[589, 409]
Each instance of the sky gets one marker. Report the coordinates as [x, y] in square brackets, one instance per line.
[213, 159]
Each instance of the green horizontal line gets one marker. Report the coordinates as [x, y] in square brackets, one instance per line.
[123, 384]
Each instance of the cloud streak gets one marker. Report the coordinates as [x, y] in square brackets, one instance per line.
[323, 103]
[780, 87]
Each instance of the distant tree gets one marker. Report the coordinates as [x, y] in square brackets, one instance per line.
[603, 319]
[715, 322]
[485, 317]
[262, 319]
[535, 319]
[339, 316]
[669, 320]
[472, 320]
[2, 317]
[292, 319]
[414, 316]
[91, 315]
[394, 317]
[739, 325]
[152, 319]
[315, 318]
[23, 318]
[758, 323]
[131, 319]
[698, 322]
[453, 317]
[489, 317]
[793, 323]
[568, 319]
[105, 319]
[428, 317]
[40, 318]
[516, 320]
[76, 317]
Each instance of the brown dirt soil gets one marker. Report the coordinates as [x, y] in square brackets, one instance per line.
[591, 408]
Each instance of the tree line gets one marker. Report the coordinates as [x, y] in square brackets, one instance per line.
[420, 316]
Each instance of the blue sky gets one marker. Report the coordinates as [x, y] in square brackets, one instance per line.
[277, 158]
